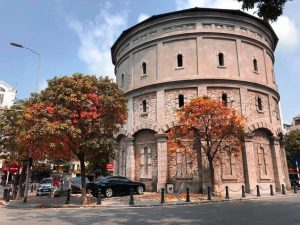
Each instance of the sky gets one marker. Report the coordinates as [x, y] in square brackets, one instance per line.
[76, 35]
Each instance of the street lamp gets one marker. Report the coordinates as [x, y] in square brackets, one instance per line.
[38, 64]
[29, 161]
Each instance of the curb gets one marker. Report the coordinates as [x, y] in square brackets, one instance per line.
[4, 204]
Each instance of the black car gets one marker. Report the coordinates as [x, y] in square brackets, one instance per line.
[115, 185]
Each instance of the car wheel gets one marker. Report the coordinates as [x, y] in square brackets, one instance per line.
[108, 192]
[140, 190]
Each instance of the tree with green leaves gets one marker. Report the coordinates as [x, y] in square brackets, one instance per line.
[268, 10]
[292, 144]
[76, 117]
[12, 127]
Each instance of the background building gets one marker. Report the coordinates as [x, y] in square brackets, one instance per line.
[7, 95]
[7, 98]
[294, 126]
[167, 60]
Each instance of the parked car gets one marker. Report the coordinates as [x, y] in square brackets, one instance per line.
[54, 186]
[45, 186]
[115, 185]
[76, 186]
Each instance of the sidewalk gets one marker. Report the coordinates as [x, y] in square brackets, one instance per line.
[145, 200]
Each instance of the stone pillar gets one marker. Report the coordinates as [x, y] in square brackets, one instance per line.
[130, 159]
[277, 164]
[285, 166]
[162, 161]
[249, 164]
[116, 160]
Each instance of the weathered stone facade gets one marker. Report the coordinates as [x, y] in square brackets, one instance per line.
[166, 61]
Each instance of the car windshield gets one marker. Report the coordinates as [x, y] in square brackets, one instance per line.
[46, 181]
[102, 180]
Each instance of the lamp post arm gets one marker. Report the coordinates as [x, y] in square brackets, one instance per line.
[32, 50]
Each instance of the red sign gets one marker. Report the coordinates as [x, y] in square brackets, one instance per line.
[110, 167]
[11, 168]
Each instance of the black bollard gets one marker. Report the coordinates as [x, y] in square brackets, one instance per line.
[68, 196]
[295, 188]
[188, 195]
[227, 192]
[7, 195]
[99, 197]
[283, 189]
[243, 192]
[31, 190]
[162, 196]
[271, 190]
[131, 200]
[257, 191]
[208, 193]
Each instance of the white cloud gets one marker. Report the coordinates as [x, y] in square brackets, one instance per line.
[222, 4]
[287, 32]
[42, 85]
[185, 4]
[226, 4]
[142, 17]
[97, 36]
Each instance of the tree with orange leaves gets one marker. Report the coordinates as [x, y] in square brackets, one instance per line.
[76, 117]
[212, 125]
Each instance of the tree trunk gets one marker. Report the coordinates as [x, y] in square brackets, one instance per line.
[199, 163]
[82, 173]
[212, 174]
[21, 181]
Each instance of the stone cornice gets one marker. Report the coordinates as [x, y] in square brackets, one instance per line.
[200, 81]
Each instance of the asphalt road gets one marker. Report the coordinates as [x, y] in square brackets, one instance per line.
[283, 211]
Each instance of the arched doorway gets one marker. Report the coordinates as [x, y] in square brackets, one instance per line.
[145, 152]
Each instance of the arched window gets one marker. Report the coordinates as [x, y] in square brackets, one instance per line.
[255, 65]
[259, 104]
[146, 162]
[179, 60]
[2, 89]
[180, 101]
[144, 65]
[224, 99]
[122, 79]
[144, 104]
[262, 161]
[221, 59]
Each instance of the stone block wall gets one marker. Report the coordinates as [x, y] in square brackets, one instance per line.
[233, 96]
[150, 115]
[253, 113]
[172, 102]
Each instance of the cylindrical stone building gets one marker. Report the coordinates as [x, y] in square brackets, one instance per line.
[167, 60]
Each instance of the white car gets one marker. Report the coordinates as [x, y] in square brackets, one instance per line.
[44, 187]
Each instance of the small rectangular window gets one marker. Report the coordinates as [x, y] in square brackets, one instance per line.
[144, 65]
[144, 103]
[224, 99]
[255, 67]
[179, 60]
[180, 101]
[221, 59]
